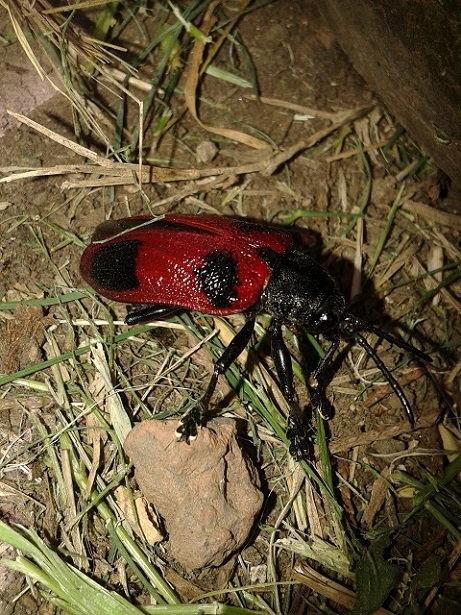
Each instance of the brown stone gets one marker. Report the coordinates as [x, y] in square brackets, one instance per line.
[207, 492]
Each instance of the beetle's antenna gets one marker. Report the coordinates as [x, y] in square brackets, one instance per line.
[397, 342]
[351, 326]
[358, 337]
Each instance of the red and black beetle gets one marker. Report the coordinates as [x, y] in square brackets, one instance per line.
[219, 265]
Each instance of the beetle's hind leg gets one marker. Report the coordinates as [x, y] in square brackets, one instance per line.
[196, 416]
[146, 313]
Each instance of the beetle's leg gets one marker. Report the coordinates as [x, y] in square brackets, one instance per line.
[296, 429]
[320, 381]
[146, 313]
[187, 428]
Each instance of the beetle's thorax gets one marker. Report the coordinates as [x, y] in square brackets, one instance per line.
[302, 292]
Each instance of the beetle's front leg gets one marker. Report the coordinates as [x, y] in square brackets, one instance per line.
[187, 429]
[296, 429]
[319, 381]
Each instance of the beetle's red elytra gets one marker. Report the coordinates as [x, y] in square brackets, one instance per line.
[205, 263]
[220, 265]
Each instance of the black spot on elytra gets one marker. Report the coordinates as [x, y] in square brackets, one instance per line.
[114, 266]
[218, 278]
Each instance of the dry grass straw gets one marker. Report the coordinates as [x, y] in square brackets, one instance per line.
[87, 55]
[122, 174]
[66, 52]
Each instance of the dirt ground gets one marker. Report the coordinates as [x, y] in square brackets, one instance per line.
[300, 69]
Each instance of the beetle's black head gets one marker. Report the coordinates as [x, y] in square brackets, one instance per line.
[302, 292]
